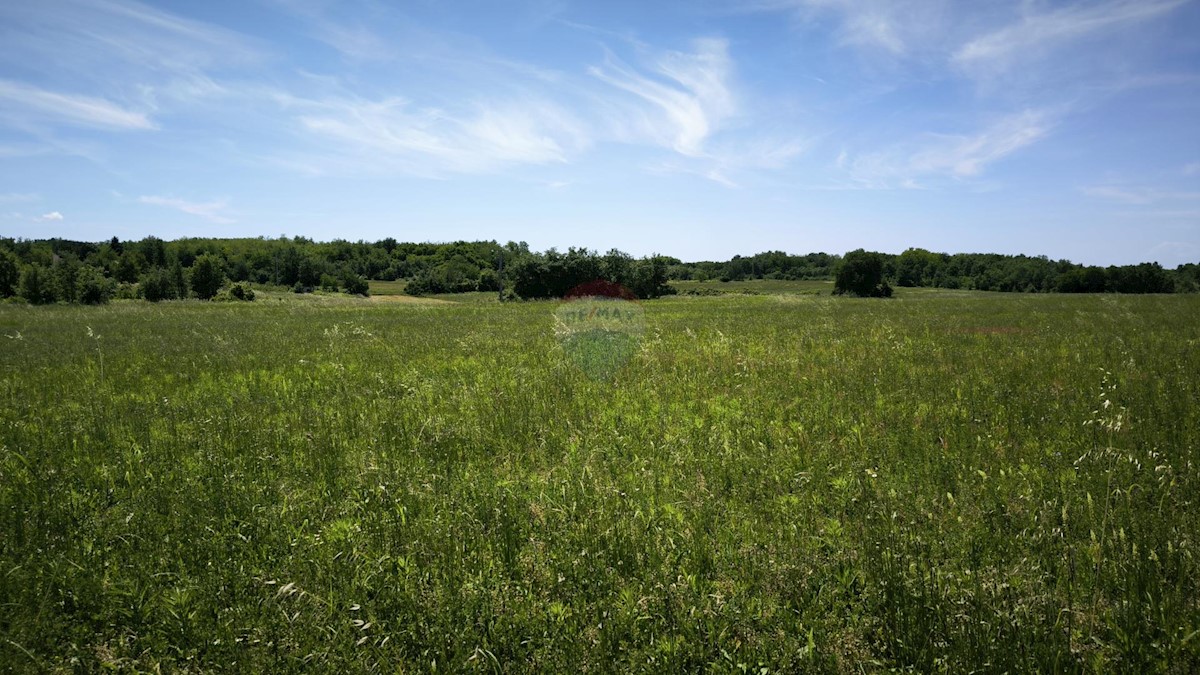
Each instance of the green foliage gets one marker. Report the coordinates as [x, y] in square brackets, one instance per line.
[207, 276]
[237, 292]
[356, 285]
[918, 267]
[129, 267]
[861, 273]
[36, 285]
[64, 277]
[460, 267]
[454, 276]
[554, 274]
[156, 285]
[328, 283]
[489, 280]
[94, 287]
[179, 281]
[648, 278]
[10, 273]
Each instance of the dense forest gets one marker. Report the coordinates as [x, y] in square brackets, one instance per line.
[56, 270]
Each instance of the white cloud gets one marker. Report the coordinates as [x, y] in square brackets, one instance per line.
[965, 156]
[53, 215]
[1137, 194]
[394, 134]
[211, 211]
[355, 41]
[681, 102]
[19, 197]
[890, 27]
[114, 63]
[30, 104]
[957, 156]
[81, 35]
[1036, 32]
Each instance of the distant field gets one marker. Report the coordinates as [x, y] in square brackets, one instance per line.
[766, 286]
[387, 287]
[942, 482]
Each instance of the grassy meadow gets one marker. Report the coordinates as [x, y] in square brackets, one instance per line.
[775, 482]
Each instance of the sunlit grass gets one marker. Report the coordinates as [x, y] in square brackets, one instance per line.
[938, 482]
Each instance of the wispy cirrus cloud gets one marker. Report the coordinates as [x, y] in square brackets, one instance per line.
[353, 38]
[677, 100]
[75, 37]
[966, 155]
[122, 62]
[394, 134]
[1141, 195]
[49, 217]
[897, 27]
[945, 155]
[211, 211]
[680, 100]
[1037, 32]
[26, 105]
[19, 197]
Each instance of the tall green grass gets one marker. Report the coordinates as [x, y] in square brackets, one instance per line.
[937, 483]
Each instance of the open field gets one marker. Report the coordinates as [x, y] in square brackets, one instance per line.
[756, 286]
[774, 483]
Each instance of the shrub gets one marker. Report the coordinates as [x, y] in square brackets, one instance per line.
[207, 276]
[126, 291]
[10, 273]
[94, 287]
[489, 280]
[328, 283]
[861, 274]
[356, 285]
[239, 292]
[35, 285]
[157, 285]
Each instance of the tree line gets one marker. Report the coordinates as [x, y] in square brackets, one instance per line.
[57, 270]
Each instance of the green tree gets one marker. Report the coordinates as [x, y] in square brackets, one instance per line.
[36, 285]
[917, 267]
[355, 284]
[179, 280]
[650, 278]
[157, 285]
[861, 274]
[129, 266]
[66, 278]
[94, 287]
[207, 276]
[10, 273]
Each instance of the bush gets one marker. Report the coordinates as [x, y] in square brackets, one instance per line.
[35, 285]
[861, 274]
[328, 283]
[356, 285]
[239, 292]
[10, 273]
[157, 285]
[451, 277]
[489, 280]
[126, 291]
[94, 287]
[207, 276]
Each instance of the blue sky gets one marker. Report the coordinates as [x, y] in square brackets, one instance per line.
[698, 129]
